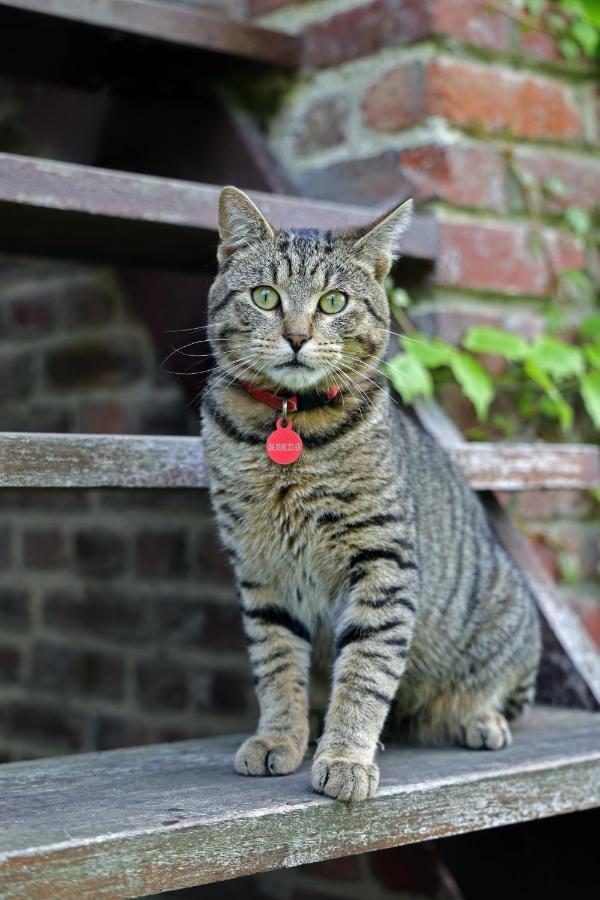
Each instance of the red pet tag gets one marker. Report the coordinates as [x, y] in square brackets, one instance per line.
[284, 446]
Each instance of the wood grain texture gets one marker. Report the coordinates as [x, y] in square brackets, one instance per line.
[80, 460]
[65, 209]
[131, 822]
[176, 23]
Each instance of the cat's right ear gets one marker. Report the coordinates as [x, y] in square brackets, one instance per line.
[241, 223]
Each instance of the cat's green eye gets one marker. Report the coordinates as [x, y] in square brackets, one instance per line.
[265, 297]
[332, 302]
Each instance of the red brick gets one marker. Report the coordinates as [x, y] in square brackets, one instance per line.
[539, 44]
[108, 417]
[451, 322]
[397, 100]
[86, 304]
[50, 725]
[580, 175]
[591, 621]
[365, 29]
[200, 623]
[10, 662]
[473, 21]
[14, 608]
[103, 612]
[99, 551]
[112, 732]
[5, 547]
[162, 554]
[44, 547]
[550, 504]
[161, 685]
[31, 315]
[407, 869]
[16, 375]
[94, 363]
[483, 96]
[464, 175]
[68, 670]
[228, 694]
[474, 96]
[499, 258]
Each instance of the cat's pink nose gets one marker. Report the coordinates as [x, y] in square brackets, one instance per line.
[296, 340]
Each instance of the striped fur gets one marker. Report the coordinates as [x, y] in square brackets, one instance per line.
[372, 539]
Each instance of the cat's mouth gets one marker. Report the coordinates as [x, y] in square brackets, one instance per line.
[293, 364]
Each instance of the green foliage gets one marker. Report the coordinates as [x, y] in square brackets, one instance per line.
[575, 24]
[546, 378]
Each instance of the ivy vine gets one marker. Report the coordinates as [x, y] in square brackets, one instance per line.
[546, 385]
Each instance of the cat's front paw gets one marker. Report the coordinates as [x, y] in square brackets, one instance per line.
[266, 754]
[344, 779]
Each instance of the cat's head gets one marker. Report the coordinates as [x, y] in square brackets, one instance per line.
[300, 309]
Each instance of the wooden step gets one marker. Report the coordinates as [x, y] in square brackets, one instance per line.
[128, 823]
[89, 461]
[67, 210]
[176, 23]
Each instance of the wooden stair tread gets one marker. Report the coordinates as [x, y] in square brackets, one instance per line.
[178, 23]
[131, 822]
[145, 461]
[63, 209]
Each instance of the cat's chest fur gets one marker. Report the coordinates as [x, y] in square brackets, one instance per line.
[270, 516]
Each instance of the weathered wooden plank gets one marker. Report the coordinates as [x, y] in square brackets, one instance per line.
[188, 26]
[131, 822]
[518, 467]
[64, 209]
[77, 460]
[139, 461]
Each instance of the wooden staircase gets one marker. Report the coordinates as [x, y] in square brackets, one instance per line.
[104, 824]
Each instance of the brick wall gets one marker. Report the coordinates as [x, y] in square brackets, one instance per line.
[118, 621]
[429, 98]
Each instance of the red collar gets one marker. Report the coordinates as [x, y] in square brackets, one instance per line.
[295, 403]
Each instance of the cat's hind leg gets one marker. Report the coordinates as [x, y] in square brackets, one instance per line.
[469, 719]
[485, 730]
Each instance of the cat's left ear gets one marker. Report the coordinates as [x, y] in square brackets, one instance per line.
[378, 244]
[241, 223]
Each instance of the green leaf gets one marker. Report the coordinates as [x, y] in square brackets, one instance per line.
[400, 297]
[590, 392]
[569, 48]
[592, 10]
[592, 354]
[586, 36]
[535, 7]
[590, 327]
[431, 352]
[409, 377]
[494, 340]
[474, 380]
[561, 409]
[578, 220]
[558, 359]
[569, 568]
[556, 22]
[555, 186]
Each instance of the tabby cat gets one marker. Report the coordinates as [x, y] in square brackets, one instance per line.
[371, 538]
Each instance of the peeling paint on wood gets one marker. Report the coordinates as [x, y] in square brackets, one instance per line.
[95, 825]
[81, 460]
[92, 197]
[176, 23]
